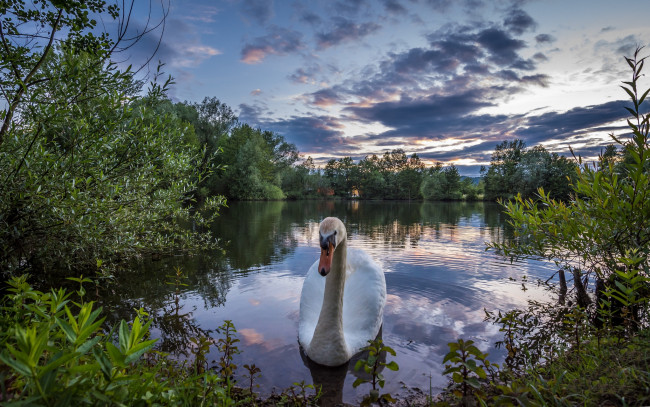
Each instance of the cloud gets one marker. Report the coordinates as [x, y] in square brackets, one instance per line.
[431, 117]
[324, 97]
[311, 18]
[518, 21]
[250, 113]
[180, 48]
[349, 7]
[579, 120]
[314, 134]
[394, 7]
[422, 60]
[544, 38]
[433, 92]
[305, 74]
[540, 57]
[260, 11]
[502, 47]
[457, 59]
[344, 30]
[278, 41]
[539, 79]
[202, 13]
[439, 5]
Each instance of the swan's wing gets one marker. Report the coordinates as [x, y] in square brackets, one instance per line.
[363, 300]
[311, 301]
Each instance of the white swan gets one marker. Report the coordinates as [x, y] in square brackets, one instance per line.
[342, 300]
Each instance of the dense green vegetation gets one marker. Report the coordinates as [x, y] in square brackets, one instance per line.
[516, 170]
[94, 170]
[58, 351]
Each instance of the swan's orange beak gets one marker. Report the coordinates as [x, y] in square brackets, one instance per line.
[325, 263]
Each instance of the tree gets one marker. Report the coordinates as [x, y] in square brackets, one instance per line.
[501, 174]
[254, 163]
[538, 168]
[451, 185]
[301, 181]
[373, 183]
[432, 187]
[410, 178]
[469, 189]
[516, 170]
[343, 175]
[30, 34]
[97, 174]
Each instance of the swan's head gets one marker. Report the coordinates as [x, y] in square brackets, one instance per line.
[331, 234]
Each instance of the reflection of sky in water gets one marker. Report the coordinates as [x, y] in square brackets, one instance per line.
[439, 279]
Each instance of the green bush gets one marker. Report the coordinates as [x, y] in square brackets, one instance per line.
[605, 228]
[582, 353]
[101, 177]
[56, 352]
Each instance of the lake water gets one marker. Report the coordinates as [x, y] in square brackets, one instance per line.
[439, 280]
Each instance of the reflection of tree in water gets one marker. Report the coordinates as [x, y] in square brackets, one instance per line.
[449, 213]
[496, 222]
[253, 234]
[400, 223]
[152, 287]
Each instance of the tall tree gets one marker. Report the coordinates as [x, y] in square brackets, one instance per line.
[30, 34]
[501, 175]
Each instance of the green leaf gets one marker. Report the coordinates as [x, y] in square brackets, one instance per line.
[644, 96]
[86, 332]
[115, 354]
[20, 367]
[124, 335]
[357, 382]
[85, 347]
[139, 349]
[57, 360]
[473, 381]
[392, 366]
[450, 356]
[104, 363]
[67, 329]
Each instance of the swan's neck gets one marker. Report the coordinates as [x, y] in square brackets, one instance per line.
[328, 335]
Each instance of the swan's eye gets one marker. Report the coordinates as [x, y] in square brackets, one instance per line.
[325, 242]
[332, 240]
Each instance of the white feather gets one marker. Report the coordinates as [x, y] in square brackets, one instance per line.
[364, 297]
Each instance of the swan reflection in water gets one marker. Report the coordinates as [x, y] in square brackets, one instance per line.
[331, 379]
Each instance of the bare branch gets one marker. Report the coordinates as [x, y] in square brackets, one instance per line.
[25, 83]
[6, 48]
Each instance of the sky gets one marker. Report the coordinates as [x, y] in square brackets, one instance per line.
[446, 79]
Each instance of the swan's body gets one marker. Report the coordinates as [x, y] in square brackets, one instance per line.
[342, 300]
